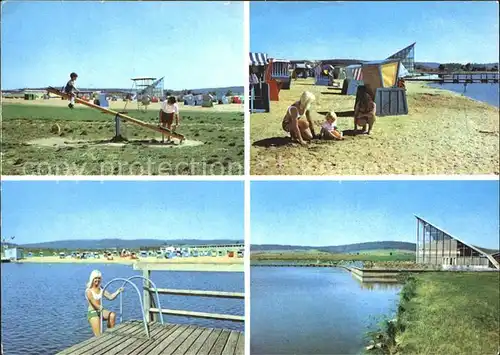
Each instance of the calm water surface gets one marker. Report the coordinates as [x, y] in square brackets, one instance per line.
[314, 310]
[482, 92]
[44, 308]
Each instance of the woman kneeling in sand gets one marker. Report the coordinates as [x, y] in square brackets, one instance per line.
[299, 129]
[94, 295]
[364, 112]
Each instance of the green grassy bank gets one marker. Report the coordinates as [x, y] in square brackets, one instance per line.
[214, 143]
[446, 313]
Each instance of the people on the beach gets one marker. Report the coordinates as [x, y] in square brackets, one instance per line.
[364, 111]
[94, 294]
[71, 89]
[168, 112]
[329, 128]
[300, 129]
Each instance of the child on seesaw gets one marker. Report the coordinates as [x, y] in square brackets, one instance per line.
[329, 129]
[71, 90]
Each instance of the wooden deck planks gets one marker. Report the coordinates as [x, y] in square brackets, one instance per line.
[196, 345]
[170, 339]
[209, 343]
[232, 341]
[151, 344]
[240, 346]
[220, 343]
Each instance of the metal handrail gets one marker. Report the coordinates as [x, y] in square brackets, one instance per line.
[144, 320]
[156, 292]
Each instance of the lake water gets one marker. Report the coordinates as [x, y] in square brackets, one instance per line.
[482, 92]
[44, 308]
[315, 310]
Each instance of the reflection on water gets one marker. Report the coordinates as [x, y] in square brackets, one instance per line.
[315, 310]
[379, 285]
[46, 304]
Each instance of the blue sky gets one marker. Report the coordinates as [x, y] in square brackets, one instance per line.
[444, 31]
[193, 44]
[46, 210]
[335, 213]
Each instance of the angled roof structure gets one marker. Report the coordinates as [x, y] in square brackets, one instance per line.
[491, 255]
[407, 57]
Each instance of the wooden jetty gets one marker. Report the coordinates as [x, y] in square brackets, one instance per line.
[129, 338]
[461, 78]
[150, 337]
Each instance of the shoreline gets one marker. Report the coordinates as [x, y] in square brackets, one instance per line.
[207, 260]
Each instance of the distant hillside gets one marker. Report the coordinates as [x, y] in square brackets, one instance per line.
[435, 65]
[431, 65]
[348, 248]
[122, 243]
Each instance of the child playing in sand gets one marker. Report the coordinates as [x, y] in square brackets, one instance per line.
[329, 128]
[71, 90]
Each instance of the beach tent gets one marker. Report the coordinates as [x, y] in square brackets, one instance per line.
[281, 72]
[301, 70]
[354, 78]
[259, 89]
[323, 74]
[380, 79]
[339, 73]
[403, 72]
[208, 100]
[381, 74]
[188, 100]
[198, 100]
[278, 76]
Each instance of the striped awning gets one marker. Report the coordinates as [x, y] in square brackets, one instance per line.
[258, 59]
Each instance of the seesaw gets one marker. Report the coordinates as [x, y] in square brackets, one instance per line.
[164, 131]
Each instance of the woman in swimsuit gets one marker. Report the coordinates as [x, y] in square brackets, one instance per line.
[364, 111]
[94, 294]
[300, 130]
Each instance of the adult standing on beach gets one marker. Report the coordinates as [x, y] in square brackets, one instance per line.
[364, 111]
[300, 129]
[94, 294]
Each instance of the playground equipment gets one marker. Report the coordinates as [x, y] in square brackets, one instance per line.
[146, 89]
[323, 74]
[259, 90]
[381, 81]
[118, 116]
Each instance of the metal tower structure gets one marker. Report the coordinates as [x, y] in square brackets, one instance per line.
[147, 90]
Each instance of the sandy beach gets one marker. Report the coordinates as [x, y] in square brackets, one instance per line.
[128, 261]
[444, 133]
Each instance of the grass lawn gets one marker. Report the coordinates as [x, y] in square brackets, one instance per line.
[444, 133]
[452, 313]
[214, 143]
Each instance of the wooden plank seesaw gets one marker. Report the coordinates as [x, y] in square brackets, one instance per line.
[119, 115]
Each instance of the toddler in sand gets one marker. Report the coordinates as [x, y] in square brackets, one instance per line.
[329, 128]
